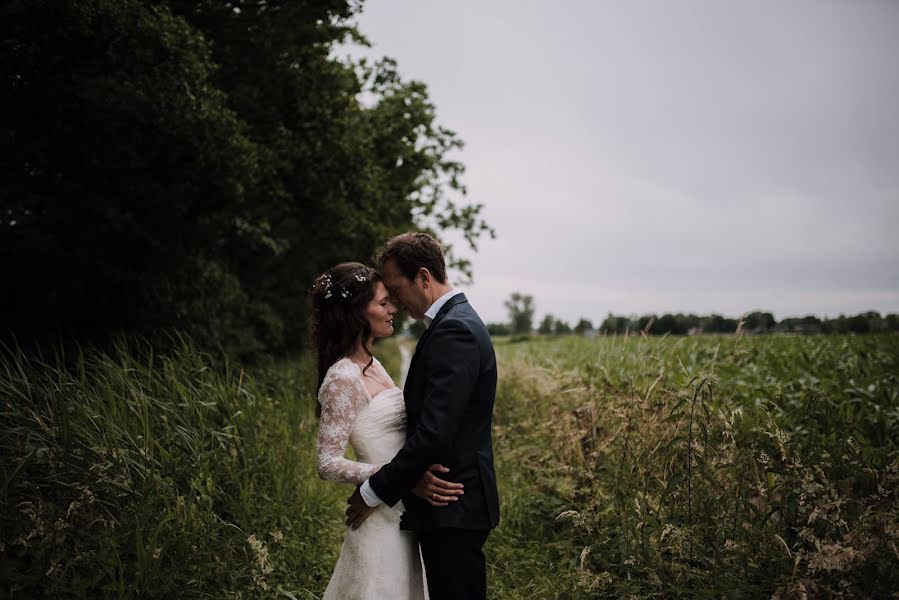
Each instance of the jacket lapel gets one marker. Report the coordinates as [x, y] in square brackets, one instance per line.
[457, 299]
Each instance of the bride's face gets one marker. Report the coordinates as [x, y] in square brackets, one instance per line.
[380, 313]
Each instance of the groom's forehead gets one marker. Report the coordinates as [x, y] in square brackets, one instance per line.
[393, 277]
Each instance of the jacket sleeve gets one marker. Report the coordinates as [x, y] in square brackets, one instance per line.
[452, 363]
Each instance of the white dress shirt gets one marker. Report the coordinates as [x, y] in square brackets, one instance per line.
[368, 494]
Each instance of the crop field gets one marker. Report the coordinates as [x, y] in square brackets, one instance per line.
[694, 467]
[718, 467]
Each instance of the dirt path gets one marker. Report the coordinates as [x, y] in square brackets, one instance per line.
[406, 353]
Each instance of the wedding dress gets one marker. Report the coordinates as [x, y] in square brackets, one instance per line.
[377, 560]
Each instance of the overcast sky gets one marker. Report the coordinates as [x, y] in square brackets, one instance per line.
[659, 156]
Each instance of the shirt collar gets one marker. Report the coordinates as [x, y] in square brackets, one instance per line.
[435, 308]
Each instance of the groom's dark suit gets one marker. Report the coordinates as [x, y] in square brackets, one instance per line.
[449, 392]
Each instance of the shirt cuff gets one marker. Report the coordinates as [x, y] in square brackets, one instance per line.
[369, 495]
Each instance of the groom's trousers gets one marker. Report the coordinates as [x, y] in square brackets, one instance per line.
[454, 563]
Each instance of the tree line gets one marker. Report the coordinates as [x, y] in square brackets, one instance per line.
[193, 165]
[521, 310]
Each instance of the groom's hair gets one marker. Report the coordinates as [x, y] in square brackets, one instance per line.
[413, 250]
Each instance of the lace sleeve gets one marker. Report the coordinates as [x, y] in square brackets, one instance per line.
[341, 395]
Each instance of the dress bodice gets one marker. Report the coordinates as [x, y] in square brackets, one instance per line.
[380, 428]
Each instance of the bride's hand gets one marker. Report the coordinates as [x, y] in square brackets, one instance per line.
[436, 491]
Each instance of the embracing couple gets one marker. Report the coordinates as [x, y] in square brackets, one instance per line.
[402, 512]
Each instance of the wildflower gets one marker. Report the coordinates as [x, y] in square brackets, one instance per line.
[262, 563]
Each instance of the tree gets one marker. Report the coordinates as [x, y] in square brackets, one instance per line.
[759, 321]
[866, 322]
[713, 323]
[521, 312]
[498, 329]
[646, 323]
[583, 326]
[666, 324]
[152, 179]
[891, 322]
[561, 327]
[615, 324]
[124, 171]
[546, 325]
[806, 324]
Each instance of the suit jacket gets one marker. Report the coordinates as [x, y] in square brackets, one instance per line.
[449, 393]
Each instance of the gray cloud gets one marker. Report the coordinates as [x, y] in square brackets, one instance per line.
[662, 156]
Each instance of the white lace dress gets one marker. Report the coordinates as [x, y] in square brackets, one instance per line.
[377, 560]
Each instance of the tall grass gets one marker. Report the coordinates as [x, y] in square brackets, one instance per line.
[629, 467]
[699, 467]
[129, 474]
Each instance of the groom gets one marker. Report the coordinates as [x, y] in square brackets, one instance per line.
[449, 392]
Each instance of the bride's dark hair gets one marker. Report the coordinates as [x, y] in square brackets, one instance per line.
[340, 296]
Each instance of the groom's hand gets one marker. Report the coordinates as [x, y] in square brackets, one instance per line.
[436, 491]
[358, 510]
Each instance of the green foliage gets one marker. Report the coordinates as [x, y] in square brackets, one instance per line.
[495, 329]
[160, 477]
[560, 327]
[521, 312]
[759, 321]
[122, 160]
[657, 467]
[699, 467]
[583, 326]
[546, 324]
[549, 325]
[753, 322]
[194, 166]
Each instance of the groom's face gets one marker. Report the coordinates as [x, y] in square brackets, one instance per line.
[410, 295]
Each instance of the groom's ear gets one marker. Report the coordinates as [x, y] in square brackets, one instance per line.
[425, 277]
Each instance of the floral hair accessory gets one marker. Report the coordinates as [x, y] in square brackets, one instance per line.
[325, 286]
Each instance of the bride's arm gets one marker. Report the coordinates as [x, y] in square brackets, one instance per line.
[340, 396]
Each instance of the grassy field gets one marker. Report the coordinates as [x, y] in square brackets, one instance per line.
[646, 467]
[134, 475]
[703, 467]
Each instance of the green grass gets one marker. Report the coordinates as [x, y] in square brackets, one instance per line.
[131, 475]
[710, 467]
[702, 467]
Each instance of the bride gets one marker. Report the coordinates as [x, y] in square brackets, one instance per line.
[359, 404]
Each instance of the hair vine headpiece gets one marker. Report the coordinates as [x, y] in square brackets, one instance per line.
[325, 286]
